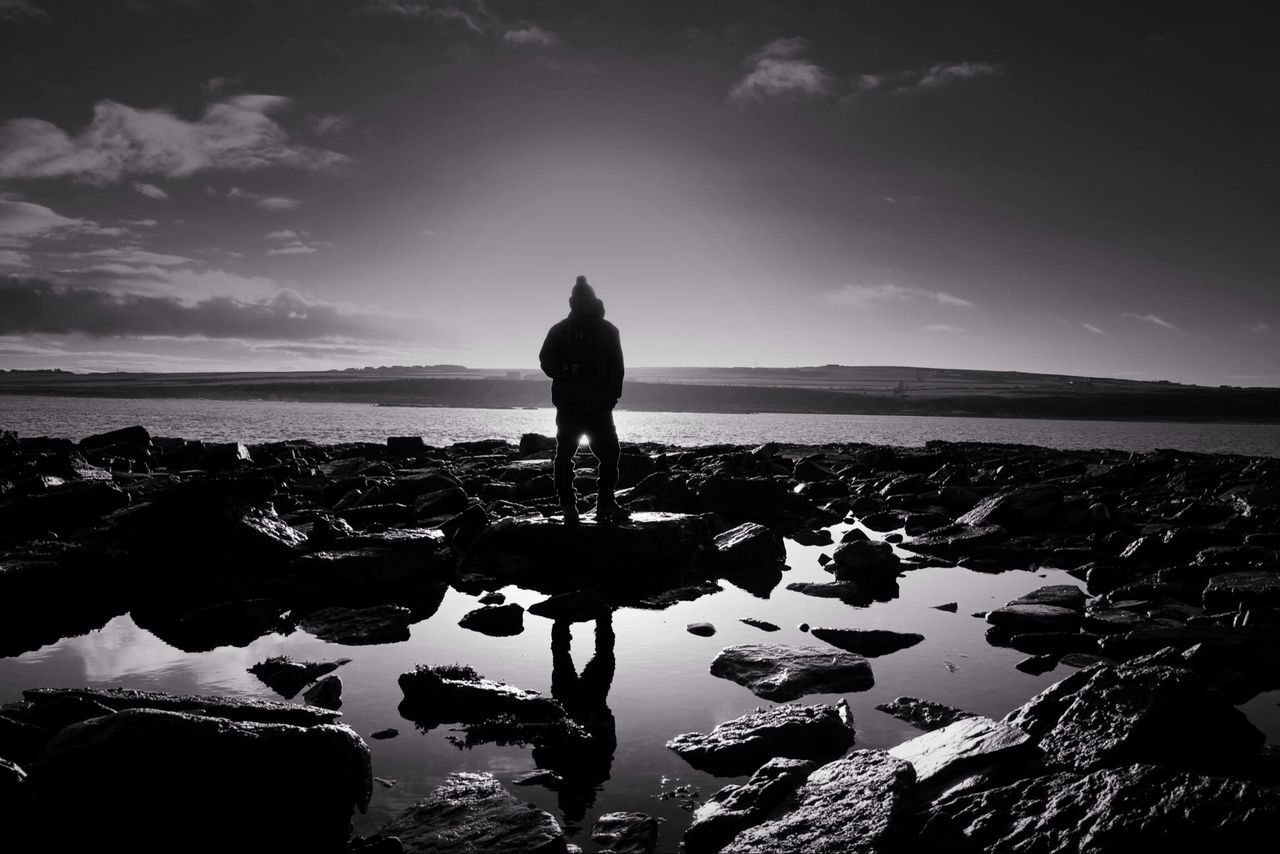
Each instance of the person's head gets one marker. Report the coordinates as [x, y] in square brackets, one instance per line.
[583, 296]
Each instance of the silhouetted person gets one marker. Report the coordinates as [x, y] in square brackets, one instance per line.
[584, 696]
[583, 356]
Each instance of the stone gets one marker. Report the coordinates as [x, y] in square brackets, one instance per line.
[456, 693]
[1056, 595]
[196, 771]
[1109, 811]
[626, 833]
[1231, 590]
[856, 805]
[758, 499]
[868, 642]
[1018, 618]
[970, 745]
[326, 693]
[1013, 509]
[575, 606]
[495, 620]
[43, 700]
[443, 502]
[471, 813]
[956, 540]
[492, 598]
[360, 626]
[857, 559]
[737, 807]
[64, 507]
[1037, 664]
[923, 714]
[749, 545]
[704, 630]
[818, 732]
[777, 672]
[383, 734]
[406, 445]
[287, 677]
[762, 625]
[137, 435]
[948, 606]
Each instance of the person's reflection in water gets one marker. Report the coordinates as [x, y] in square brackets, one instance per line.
[584, 696]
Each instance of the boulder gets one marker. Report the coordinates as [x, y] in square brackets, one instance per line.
[1016, 509]
[405, 445]
[626, 833]
[575, 606]
[360, 626]
[443, 502]
[495, 620]
[858, 559]
[456, 693]
[923, 714]
[737, 807]
[326, 693]
[136, 435]
[472, 813]
[819, 732]
[868, 642]
[287, 677]
[762, 625]
[703, 630]
[856, 805]
[193, 771]
[749, 545]
[968, 746]
[62, 507]
[777, 672]
[1108, 811]
[1020, 618]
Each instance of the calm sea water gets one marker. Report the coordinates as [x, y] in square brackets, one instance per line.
[264, 421]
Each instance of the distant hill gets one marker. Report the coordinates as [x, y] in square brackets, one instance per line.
[883, 390]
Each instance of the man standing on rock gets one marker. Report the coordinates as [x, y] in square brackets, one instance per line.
[583, 357]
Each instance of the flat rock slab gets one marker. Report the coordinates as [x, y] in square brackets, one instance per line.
[868, 642]
[737, 807]
[1021, 618]
[923, 714]
[743, 744]
[230, 708]
[1059, 595]
[666, 539]
[473, 813]
[967, 746]
[778, 672]
[626, 833]
[856, 805]
[1232, 589]
[1110, 811]
[360, 626]
[749, 545]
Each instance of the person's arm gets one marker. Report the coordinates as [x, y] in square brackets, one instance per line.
[550, 357]
[616, 367]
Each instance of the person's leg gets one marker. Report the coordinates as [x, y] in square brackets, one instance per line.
[604, 444]
[569, 430]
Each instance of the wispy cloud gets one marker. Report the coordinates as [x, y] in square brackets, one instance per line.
[943, 328]
[330, 125]
[865, 295]
[141, 223]
[22, 222]
[294, 243]
[1259, 327]
[530, 36]
[472, 14]
[939, 76]
[151, 191]
[780, 70]
[261, 200]
[237, 134]
[12, 10]
[132, 255]
[13, 258]
[1095, 330]
[1150, 318]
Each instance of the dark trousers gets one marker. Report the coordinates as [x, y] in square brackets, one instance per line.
[597, 426]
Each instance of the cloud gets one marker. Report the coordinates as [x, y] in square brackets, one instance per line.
[267, 203]
[32, 305]
[20, 222]
[1150, 318]
[237, 134]
[942, 328]
[933, 77]
[779, 70]
[1095, 330]
[151, 191]
[134, 255]
[295, 242]
[141, 223]
[473, 14]
[12, 10]
[284, 234]
[866, 295]
[530, 36]
[11, 258]
[330, 125]
[1259, 327]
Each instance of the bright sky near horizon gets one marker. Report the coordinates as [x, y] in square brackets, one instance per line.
[1086, 188]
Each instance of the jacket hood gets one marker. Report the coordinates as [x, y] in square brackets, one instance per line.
[588, 308]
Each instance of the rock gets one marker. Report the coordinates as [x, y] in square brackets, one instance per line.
[762, 625]
[1231, 590]
[360, 626]
[1056, 595]
[12, 792]
[743, 744]
[492, 598]
[1016, 508]
[970, 745]
[855, 560]
[737, 807]
[20, 741]
[237, 623]
[704, 630]
[923, 714]
[137, 435]
[327, 693]
[1109, 811]
[576, 606]
[1018, 618]
[956, 540]
[495, 620]
[535, 443]
[856, 805]
[63, 507]
[949, 606]
[1051, 643]
[868, 642]
[44, 700]
[225, 456]
[194, 771]
[758, 499]
[626, 833]
[443, 502]
[830, 590]
[393, 560]
[539, 777]
[383, 734]
[749, 545]
[777, 672]
[456, 693]
[287, 677]
[406, 445]
[882, 521]
[1037, 664]
[472, 813]
[819, 537]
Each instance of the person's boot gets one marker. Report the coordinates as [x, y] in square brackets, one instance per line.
[570, 511]
[609, 513]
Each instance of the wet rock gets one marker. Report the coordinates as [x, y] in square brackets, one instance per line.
[44, 701]
[855, 560]
[237, 623]
[1017, 618]
[495, 620]
[1022, 508]
[136, 435]
[444, 502]
[326, 693]
[846, 590]
[756, 499]
[457, 693]
[626, 833]
[575, 606]
[674, 595]
[1110, 811]
[882, 521]
[949, 606]
[1037, 664]
[817, 732]
[469, 813]
[383, 734]
[12, 791]
[287, 677]
[539, 777]
[194, 771]
[749, 545]
[778, 672]
[493, 598]
[819, 537]
[868, 642]
[63, 507]
[704, 630]
[535, 443]
[1056, 643]
[856, 805]
[762, 625]
[1066, 596]
[395, 559]
[923, 714]
[955, 541]
[360, 626]
[21, 741]
[968, 746]
[1249, 589]
[225, 456]
[405, 445]
[737, 807]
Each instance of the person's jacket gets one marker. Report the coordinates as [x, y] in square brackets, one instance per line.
[583, 356]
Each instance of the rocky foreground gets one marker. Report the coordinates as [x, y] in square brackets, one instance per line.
[1176, 621]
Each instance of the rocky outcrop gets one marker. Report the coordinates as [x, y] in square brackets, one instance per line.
[626, 833]
[359, 626]
[736, 807]
[818, 732]
[780, 673]
[969, 746]
[923, 714]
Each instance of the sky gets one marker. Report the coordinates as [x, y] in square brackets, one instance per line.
[1062, 187]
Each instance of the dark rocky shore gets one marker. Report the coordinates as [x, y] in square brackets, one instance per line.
[1175, 621]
